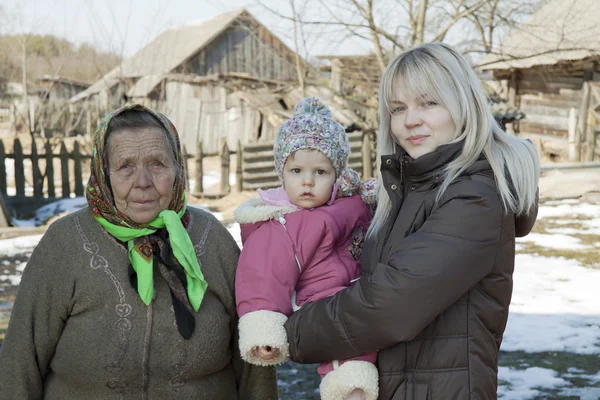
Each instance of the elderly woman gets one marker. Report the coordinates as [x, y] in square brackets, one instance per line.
[438, 259]
[131, 298]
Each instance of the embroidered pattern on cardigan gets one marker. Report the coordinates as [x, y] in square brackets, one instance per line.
[199, 247]
[123, 325]
[180, 368]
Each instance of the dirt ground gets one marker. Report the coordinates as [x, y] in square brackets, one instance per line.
[571, 183]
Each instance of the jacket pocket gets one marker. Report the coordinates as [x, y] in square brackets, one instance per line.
[412, 391]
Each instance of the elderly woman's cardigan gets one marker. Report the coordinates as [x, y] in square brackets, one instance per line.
[84, 333]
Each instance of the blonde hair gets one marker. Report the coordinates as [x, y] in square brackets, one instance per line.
[440, 72]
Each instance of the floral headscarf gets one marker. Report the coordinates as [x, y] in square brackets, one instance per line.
[99, 195]
[137, 235]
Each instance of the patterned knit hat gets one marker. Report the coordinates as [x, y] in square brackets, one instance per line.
[312, 127]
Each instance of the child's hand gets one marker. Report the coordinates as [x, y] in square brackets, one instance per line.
[266, 353]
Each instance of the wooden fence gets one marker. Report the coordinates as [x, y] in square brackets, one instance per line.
[254, 169]
[44, 184]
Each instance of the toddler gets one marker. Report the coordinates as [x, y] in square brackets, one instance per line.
[302, 242]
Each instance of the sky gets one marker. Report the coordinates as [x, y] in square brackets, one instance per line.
[125, 26]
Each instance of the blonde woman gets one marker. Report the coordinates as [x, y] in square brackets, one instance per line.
[455, 191]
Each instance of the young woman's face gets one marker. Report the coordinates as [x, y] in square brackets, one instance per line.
[419, 124]
[142, 172]
[308, 178]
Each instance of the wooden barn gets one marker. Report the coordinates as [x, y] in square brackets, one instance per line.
[553, 76]
[191, 74]
[54, 87]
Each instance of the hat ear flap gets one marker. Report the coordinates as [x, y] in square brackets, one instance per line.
[333, 194]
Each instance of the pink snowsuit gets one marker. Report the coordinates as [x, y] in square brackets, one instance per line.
[292, 256]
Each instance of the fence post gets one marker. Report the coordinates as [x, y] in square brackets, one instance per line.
[64, 171]
[574, 141]
[49, 169]
[35, 169]
[19, 168]
[199, 156]
[239, 185]
[225, 188]
[591, 135]
[186, 170]
[2, 169]
[367, 164]
[77, 169]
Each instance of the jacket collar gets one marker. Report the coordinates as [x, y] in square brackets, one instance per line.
[430, 167]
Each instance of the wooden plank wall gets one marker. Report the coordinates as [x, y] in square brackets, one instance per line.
[204, 112]
[548, 113]
[242, 49]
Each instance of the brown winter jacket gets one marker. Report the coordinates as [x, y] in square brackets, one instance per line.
[435, 286]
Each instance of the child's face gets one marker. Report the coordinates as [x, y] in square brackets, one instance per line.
[308, 178]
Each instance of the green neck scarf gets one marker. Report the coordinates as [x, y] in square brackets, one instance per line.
[183, 250]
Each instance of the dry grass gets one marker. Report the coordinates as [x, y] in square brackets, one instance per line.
[588, 257]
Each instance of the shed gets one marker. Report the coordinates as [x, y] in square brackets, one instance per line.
[549, 66]
[188, 73]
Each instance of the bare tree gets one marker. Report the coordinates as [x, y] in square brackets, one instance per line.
[392, 25]
[297, 21]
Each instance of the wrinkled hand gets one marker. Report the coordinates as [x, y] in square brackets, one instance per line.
[266, 353]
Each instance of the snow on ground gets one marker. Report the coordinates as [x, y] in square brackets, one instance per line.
[13, 247]
[554, 308]
[19, 245]
[523, 382]
[43, 214]
[555, 241]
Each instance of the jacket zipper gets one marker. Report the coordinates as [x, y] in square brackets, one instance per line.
[402, 170]
[337, 254]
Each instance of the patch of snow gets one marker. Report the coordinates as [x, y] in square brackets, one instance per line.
[19, 245]
[13, 279]
[573, 231]
[588, 393]
[524, 383]
[234, 229]
[554, 241]
[553, 307]
[569, 209]
[43, 214]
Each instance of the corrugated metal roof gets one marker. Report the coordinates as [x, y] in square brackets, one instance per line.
[144, 85]
[560, 30]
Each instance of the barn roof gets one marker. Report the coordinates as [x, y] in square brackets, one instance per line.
[165, 53]
[560, 30]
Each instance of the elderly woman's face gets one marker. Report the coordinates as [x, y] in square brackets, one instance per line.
[142, 172]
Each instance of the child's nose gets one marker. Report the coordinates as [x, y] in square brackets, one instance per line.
[307, 180]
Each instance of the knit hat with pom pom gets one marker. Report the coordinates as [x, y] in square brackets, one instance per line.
[312, 127]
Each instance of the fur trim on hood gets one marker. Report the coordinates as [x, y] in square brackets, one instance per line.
[256, 210]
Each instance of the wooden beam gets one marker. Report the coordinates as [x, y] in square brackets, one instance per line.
[574, 143]
[583, 112]
[591, 136]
